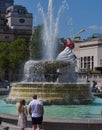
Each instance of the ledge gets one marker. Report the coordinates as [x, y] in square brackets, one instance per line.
[59, 124]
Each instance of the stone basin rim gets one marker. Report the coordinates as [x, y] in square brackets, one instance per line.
[79, 121]
[23, 82]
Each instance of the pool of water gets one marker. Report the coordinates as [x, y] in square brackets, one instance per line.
[92, 111]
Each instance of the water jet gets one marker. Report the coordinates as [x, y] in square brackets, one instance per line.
[54, 78]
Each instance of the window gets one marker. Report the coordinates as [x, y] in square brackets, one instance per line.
[22, 20]
[92, 58]
[21, 11]
[87, 62]
[6, 37]
[81, 65]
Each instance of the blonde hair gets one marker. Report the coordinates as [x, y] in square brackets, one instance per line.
[21, 106]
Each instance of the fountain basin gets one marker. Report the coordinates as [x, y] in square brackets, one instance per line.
[51, 93]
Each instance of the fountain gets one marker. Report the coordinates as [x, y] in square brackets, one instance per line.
[53, 78]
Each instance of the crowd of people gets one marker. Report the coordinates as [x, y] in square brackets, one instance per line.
[35, 110]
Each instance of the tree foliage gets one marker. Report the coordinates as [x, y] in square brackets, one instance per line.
[4, 56]
[36, 43]
[13, 55]
[19, 52]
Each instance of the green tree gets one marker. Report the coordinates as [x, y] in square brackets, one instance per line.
[36, 43]
[12, 56]
[19, 53]
[4, 59]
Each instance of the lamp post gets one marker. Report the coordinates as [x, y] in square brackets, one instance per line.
[77, 34]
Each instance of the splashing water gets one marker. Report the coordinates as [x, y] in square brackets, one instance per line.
[50, 29]
[56, 68]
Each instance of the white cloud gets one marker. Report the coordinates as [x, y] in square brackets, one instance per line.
[95, 27]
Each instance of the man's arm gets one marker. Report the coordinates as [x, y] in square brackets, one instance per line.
[42, 111]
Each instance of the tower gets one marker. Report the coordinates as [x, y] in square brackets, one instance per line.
[4, 4]
[18, 17]
[15, 21]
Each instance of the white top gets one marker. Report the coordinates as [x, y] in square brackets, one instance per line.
[67, 55]
[36, 108]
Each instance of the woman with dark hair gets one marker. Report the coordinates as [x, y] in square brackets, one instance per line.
[22, 115]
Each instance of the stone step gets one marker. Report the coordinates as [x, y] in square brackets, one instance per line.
[9, 127]
[12, 128]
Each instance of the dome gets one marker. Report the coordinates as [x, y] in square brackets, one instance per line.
[17, 8]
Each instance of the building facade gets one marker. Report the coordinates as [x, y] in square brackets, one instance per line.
[89, 55]
[15, 21]
[4, 4]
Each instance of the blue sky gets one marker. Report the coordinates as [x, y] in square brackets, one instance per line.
[78, 14]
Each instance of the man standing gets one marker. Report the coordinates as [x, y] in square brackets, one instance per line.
[36, 111]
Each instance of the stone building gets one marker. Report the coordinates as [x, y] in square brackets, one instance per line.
[89, 54]
[15, 21]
